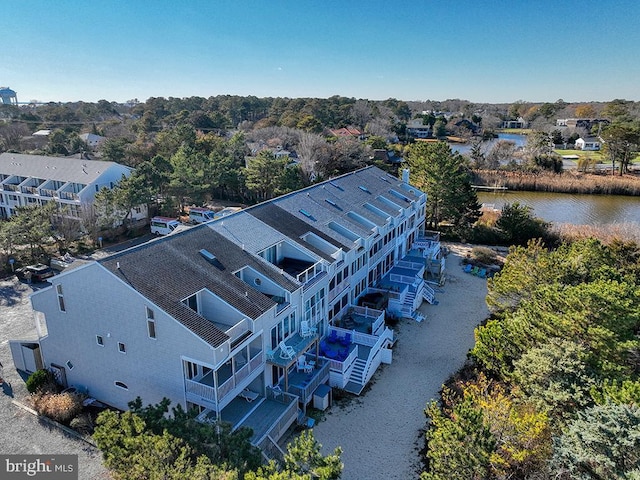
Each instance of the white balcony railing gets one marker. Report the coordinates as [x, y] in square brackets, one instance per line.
[338, 289]
[310, 273]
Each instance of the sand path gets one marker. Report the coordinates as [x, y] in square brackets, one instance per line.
[381, 432]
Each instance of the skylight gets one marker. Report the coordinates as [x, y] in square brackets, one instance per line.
[364, 189]
[306, 214]
[337, 186]
[332, 203]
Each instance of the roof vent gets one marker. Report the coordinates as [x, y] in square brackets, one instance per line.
[337, 186]
[211, 258]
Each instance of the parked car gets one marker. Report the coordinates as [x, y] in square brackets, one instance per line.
[38, 272]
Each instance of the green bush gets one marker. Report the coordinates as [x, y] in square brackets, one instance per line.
[41, 380]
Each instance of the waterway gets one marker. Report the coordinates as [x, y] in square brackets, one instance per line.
[516, 138]
[571, 208]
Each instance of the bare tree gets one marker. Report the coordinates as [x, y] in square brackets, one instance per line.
[11, 135]
[361, 113]
[314, 154]
[502, 152]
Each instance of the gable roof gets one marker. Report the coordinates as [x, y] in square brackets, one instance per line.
[294, 228]
[337, 199]
[168, 270]
[55, 168]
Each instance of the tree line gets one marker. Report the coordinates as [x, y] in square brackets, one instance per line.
[553, 386]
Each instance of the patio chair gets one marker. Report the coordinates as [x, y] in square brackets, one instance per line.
[474, 270]
[482, 273]
[307, 331]
[303, 366]
[286, 352]
[333, 336]
[346, 340]
[467, 268]
[248, 395]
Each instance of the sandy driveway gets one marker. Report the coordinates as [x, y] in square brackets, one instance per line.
[381, 432]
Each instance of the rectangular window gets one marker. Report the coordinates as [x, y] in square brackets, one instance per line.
[122, 347]
[69, 365]
[100, 340]
[150, 314]
[61, 305]
[151, 328]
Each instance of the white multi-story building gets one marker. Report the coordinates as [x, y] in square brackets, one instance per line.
[249, 317]
[70, 182]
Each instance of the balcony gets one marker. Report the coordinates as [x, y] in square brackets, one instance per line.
[304, 384]
[362, 319]
[216, 387]
[10, 188]
[298, 343]
[69, 196]
[269, 417]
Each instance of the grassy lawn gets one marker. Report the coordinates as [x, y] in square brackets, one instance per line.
[521, 131]
[599, 157]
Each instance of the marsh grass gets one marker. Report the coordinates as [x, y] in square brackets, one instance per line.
[567, 182]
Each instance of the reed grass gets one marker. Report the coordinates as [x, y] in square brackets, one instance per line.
[566, 182]
[626, 232]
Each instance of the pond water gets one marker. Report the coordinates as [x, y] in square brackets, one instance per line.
[519, 140]
[571, 208]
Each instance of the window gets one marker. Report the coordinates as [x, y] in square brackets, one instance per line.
[191, 369]
[69, 365]
[100, 340]
[122, 347]
[151, 323]
[151, 328]
[121, 385]
[61, 305]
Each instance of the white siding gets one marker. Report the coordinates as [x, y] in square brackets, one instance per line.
[151, 368]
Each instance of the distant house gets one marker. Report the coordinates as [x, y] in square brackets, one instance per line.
[70, 182]
[519, 123]
[92, 140]
[588, 144]
[387, 156]
[417, 129]
[346, 132]
[586, 123]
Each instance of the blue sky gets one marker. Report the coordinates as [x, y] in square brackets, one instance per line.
[482, 50]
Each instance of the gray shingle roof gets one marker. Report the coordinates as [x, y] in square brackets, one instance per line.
[168, 270]
[64, 169]
[331, 201]
[294, 228]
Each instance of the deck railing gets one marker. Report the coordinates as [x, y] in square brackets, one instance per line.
[383, 252]
[375, 355]
[408, 264]
[9, 187]
[30, 190]
[320, 376]
[46, 192]
[338, 289]
[209, 393]
[283, 422]
[310, 273]
[238, 329]
[69, 196]
[394, 277]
